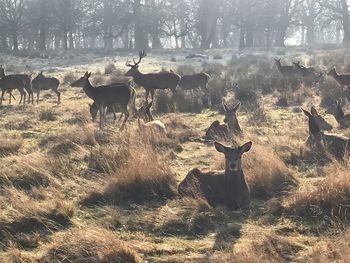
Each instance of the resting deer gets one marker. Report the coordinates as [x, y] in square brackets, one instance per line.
[195, 81]
[337, 111]
[25, 78]
[321, 122]
[307, 73]
[342, 79]
[106, 96]
[220, 188]
[41, 82]
[10, 83]
[228, 129]
[152, 81]
[323, 142]
[132, 107]
[286, 71]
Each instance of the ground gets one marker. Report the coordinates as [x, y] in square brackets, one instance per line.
[60, 174]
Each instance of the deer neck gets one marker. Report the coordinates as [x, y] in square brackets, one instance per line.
[233, 125]
[138, 77]
[89, 90]
[339, 114]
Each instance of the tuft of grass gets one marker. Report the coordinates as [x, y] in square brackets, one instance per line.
[94, 245]
[69, 77]
[110, 68]
[10, 145]
[48, 115]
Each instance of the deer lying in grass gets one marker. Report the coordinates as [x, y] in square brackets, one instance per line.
[10, 83]
[132, 107]
[26, 80]
[322, 142]
[41, 82]
[195, 81]
[228, 129]
[106, 96]
[152, 81]
[309, 74]
[321, 122]
[337, 111]
[342, 79]
[220, 188]
[286, 71]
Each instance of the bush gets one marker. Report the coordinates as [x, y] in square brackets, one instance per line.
[9, 145]
[331, 91]
[110, 68]
[69, 77]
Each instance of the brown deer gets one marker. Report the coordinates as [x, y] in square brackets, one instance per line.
[25, 78]
[10, 83]
[106, 96]
[144, 112]
[152, 81]
[342, 79]
[220, 188]
[132, 107]
[309, 74]
[41, 82]
[322, 142]
[195, 81]
[229, 128]
[286, 71]
[337, 111]
[321, 122]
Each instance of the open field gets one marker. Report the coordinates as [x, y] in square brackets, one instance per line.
[72, 193]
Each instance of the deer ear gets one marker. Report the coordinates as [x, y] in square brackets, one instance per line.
[224, 106]
[246, 147]
[236, 107]
[308, 114]
[220, 147]
[150, 105]
[313, 111]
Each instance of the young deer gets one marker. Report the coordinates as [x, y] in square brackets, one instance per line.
[106, 96]
[286, 71]
[322, 142]
[10, 83]
[26, 80]
[337, 111]
[342, 79]
[228, 129]
[321, 122]
[144, 112]
[152, 81]
[195, 81]
[41, 82]
[220, 188]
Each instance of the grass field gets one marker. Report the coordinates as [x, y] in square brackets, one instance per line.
[72, 193]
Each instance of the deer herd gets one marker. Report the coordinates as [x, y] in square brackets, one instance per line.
[218, 188]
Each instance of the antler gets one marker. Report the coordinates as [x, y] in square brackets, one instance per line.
[142, 54]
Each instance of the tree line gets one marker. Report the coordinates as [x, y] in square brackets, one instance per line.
[144, 24]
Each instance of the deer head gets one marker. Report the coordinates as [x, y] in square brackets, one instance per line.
[145, 112]
[322, 123]
[233, 155]
[82, 81]
[134, 67]
[332, 72]
[231, 116]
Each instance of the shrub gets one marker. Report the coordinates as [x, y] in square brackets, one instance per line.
[10, 145]
[110, 68]
[94, 245]
[47, 115]
[69, 77]
[331, 91]
[185, 70]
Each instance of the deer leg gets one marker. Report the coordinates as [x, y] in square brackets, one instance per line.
[10, 97]
[121, 116]
[2, 96]
[24, 97]
[126, 113]
[152, 94]
[58, 97]
[37, 96]
[147, 93]
[101, 116]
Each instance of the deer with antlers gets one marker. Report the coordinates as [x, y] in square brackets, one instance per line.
[152, 81]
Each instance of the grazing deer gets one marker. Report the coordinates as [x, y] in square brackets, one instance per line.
[286, 71]
[25, 78]
[106, 96]
[195, 81]
[41, 82]
[309, 74]
[10, 83]
[228, 129]
[220, 188]
[321, 122]
[337, 111]
[323, 142]
[132, 107]
[152, 81]
[342, 79]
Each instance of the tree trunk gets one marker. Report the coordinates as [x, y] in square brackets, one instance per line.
[65, 40]
[15, 40]
[71, 40]
[141, 41]
[346, 23]
[42, 33]
[241, 37]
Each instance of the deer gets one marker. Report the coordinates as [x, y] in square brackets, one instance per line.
[342, 79]
[286, 71]
[195, 81]
[27, 82]
[40, 82]
[106, 96]
[323, 142]
[229, 128]
[307, 73]
[337, 111]
[152, 81]
[132, 107]
[145, 112]
[10, 83]
[227, 187]
[321, 122]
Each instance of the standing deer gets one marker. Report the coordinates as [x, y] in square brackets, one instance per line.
[41, 82]
[337, 111]
[220, 188]
[10, 83]
[195, 81]
[309, 74]
[229, 128]
[106, 96]
[342, 79]
[286, 71]
[152, 81]
[323, 142]
[25, 78]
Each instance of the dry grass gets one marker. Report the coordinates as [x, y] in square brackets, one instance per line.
[93, 245]
[48, 115]
[10, 145]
